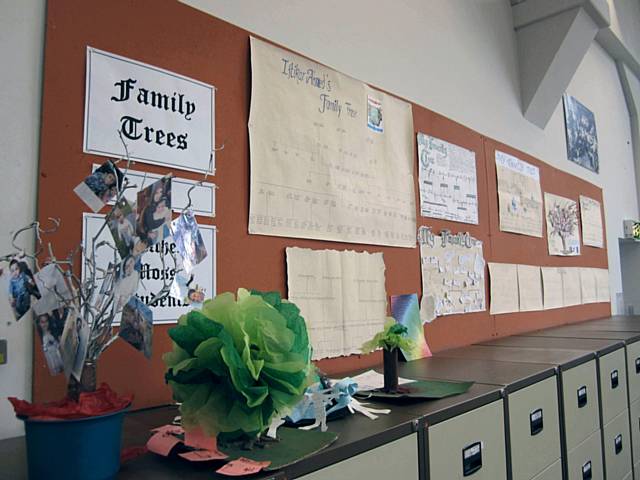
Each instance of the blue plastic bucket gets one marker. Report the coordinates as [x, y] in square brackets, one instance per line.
[85, 448]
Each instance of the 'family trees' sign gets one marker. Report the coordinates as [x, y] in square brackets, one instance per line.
[164, 118]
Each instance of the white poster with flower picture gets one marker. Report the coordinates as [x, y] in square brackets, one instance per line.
[563, 234]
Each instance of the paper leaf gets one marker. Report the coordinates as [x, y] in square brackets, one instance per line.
[242, 466]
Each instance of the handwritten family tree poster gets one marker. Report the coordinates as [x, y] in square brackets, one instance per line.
[331, 158]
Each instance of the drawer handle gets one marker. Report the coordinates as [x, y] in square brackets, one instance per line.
[535, 421]
[471, 459]
[618, 443]
[582, 396]
[637, 365]
[586, 471]
[614, 379]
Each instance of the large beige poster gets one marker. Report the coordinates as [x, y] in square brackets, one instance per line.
[331, 158]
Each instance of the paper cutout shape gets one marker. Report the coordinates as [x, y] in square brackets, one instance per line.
[53, 289]
[22, 287]
[126, 283]
[162, 443]
[188, 240]
[242, 466]
[404, 308]
[122, 225]
[50, 327]
[154, 212]
[137, 326]
[186, 290]
[101, 186]
[73, 344]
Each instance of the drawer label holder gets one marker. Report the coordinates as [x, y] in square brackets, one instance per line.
[586, 471]
[471, 459]
[637, 365]
[582, 396]
[614, 379]
[618, 443]
[536, 421]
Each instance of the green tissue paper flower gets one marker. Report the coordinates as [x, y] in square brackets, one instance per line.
[237, 364]
[393, 336]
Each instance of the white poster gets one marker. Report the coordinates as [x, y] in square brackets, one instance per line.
[519, 195]
[448, 183]
[591, 216]
[151, 272]
[331, 158]
[341, 295]
[165, 118]
[563, 234]
[452, 274]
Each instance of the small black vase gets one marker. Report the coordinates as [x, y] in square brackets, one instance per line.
[390, 358]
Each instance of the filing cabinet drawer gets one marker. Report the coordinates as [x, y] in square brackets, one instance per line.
[633, 370]
[613, 384]
[636, 471]
[581, 403]
[534, 428]
[617, 447]
[397, 460]
[553, 472]
[634, 422]
[468, 445]
[584, 462]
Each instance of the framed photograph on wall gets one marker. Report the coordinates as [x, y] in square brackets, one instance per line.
[582, 138]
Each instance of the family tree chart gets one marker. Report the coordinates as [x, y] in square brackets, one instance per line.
[331, 158]
[341, 295]
[448, 182]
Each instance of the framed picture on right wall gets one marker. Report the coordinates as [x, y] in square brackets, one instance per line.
[582, 138]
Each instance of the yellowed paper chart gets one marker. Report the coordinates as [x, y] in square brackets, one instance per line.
[588, 285]
[552, 287]
[530, 288]
[602, 284]
[591, 216]
[519, 195]
[571, 289]
[452, 275]
[341, 295]
[504, 288]
[563, 234]
[331, 158]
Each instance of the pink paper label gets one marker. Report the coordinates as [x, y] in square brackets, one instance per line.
[173, 429]
[242, 466]
[162, 443]
[203, 455]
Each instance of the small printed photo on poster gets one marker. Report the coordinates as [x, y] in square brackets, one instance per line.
[126, 282]
[187, 291]
[374, 115]
[101, 186]
[50, 326]
[21, 286]
[121, 223]
[53, 289]
[73, 344]
[188, 240]
[154, 212]
[137, 326]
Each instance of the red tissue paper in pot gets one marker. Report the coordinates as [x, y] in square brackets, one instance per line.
[90, 404]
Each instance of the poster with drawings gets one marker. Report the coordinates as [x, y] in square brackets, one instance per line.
[448, 182]
[452, 274]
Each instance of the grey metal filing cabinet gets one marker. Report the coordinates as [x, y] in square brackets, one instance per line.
[634, 423]
[584, 461]
[397, 459]
[463, 436]
[578, 382]
[617, 447]
[532, 406]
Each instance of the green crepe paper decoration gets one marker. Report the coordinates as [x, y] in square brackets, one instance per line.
[427, 389]
[293, 446]
[393, 336]
[235, 365]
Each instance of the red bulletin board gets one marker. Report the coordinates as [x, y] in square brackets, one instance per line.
[178, 38]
